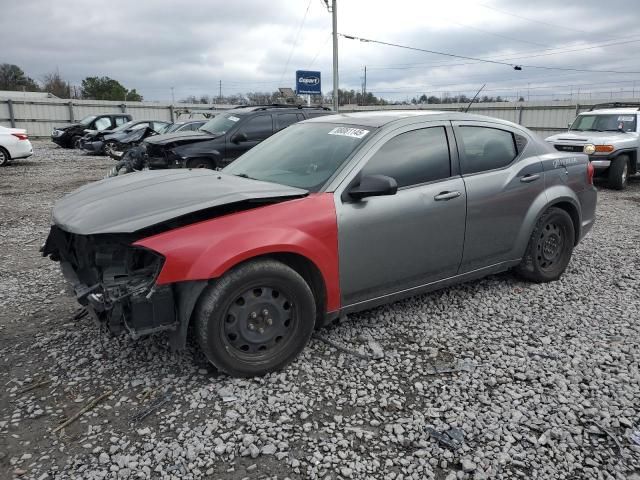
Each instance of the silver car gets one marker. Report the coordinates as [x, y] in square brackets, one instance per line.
[610, 134]
[329, 216]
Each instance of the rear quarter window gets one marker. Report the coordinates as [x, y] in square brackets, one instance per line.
[486, 148]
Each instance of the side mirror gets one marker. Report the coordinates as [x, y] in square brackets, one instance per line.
[373, 186]
[239, 137]
[569, 125]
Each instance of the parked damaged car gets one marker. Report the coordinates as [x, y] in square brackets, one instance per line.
[70, 136]
[330, 216]
[225, 137]
[103, 141]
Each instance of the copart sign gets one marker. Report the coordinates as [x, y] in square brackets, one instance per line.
[308, 83]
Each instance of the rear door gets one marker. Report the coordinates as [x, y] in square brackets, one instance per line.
[393, 243]
[503, 177]
[283, 120]
[257, 128]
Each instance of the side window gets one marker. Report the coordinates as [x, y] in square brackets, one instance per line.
[486, 148]
[140, 126]
[121, 121]
[412, 158]
[102, 123]
[258, 128]
[286, 119]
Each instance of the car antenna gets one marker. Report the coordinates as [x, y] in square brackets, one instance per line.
[474, 97]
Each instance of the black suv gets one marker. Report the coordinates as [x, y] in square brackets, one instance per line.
[69, 136]
[224, 138]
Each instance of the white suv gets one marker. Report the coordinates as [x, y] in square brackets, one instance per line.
[14, 144]
[610, 134]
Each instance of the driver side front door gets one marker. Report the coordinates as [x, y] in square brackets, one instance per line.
[390, 244]
[256, 129]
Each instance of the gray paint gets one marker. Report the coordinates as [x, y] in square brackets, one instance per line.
[128, 203]
[401, 245]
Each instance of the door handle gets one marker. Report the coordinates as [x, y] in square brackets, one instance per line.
[446, 196]
[528, 178]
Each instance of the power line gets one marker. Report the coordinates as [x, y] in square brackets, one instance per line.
[293, 46]
[479, 60]
[408, 66]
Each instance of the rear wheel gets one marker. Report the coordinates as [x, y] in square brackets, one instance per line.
[200, 163]
[4, 157]
[619, 172]
[255, 319]
[550, 247]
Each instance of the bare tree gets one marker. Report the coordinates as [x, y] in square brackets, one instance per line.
[54, 83]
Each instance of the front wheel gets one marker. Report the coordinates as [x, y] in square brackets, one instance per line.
[76, 142]
[200, 163]
[619, 172]
[550, 247]
[255, 319]
[108, 148]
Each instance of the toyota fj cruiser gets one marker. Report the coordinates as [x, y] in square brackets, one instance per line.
[609, 134]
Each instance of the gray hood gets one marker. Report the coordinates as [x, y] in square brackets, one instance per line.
[129, 203]
[599, 138]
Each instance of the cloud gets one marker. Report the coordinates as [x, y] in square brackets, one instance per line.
[152, 46]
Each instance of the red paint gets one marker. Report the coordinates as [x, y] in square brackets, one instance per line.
[306, 226]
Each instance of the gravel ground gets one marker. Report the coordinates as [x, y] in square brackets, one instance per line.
[491, 379]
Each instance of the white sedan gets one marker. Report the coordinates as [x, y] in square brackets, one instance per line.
[14, 143]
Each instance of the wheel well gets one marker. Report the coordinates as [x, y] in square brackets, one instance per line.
[573, 213]
[6, 152]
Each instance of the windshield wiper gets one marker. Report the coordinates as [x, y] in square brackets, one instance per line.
[243, 175]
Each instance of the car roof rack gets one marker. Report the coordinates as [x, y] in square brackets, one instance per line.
[616, 105]
[285, 105]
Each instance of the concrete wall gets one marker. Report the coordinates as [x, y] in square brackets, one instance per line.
[40, 116]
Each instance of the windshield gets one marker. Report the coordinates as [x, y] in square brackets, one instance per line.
[221, 123]
[303, 155]
[87, 120]
[605, 123]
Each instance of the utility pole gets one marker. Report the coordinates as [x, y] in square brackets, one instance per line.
[364, 96]
[334, 14]
[220, 92]
[173, 97]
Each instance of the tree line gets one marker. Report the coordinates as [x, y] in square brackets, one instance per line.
[13, 78]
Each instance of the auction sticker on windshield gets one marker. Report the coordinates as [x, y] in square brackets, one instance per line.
[625, 118]
[232, 118]
[349, 132]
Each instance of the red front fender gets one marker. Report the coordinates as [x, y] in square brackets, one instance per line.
[305, 226]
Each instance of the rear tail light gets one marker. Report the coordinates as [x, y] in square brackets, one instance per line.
[590, 173]
[21, 136]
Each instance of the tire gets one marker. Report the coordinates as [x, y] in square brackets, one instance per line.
[107, 148]
[619, 172]
[201, 163]
[255, 319]
[4, 157]
[550, 247]
[75, 142]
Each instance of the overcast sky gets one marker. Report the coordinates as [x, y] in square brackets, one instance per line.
[254, 45]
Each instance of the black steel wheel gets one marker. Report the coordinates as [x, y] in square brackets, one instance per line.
[550, 247]
[255, 319]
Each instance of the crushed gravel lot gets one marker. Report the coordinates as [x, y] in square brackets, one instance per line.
[496, 378]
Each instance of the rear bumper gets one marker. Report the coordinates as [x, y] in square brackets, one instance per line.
[588, 199]
[21, 149]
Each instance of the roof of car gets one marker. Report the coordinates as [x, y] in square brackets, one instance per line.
[379, 118]
[612, 111]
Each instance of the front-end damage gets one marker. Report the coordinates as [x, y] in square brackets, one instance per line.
[116, 281]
